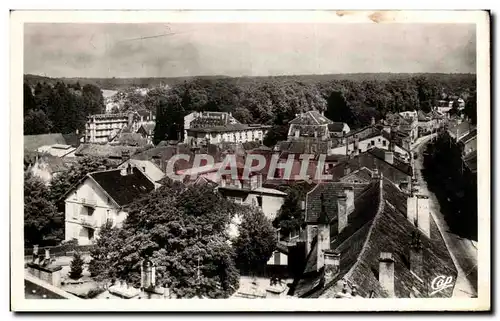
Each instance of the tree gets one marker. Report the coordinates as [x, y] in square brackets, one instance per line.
[36, 122]
[108, 241]
[40, 215]
[76, 266]
[256, 241]
[62, 183]
[290, 217]
[470, 109]
[182, 230]
[29, 99]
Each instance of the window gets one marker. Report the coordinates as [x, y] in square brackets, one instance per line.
[384, 143]
[259, 201]
[372, 142]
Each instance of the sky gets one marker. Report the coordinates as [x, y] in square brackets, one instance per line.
[246, 49]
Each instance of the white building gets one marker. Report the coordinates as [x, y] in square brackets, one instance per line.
[101, 197]
[207, 119]
[235, 133]
[102, 128]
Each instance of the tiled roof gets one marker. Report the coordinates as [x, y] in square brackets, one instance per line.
[226, 128]
[471, 135]
[330, 191]
[398, 163]
[471, 161]
[463, 128]
[364, 133]
[72, 139]
[312, 117]
[373, 228]
[303, 147]
[336, 127]
[362, 175]
[124, 189]
[33, 142]
[109, 151]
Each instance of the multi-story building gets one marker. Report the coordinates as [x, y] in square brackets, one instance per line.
[207, 119]
[101, 197]
[102, 128]
[232, 133]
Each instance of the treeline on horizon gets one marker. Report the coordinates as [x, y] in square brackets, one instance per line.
[275, 100]
[59, 107]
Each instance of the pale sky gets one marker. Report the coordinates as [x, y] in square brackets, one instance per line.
[116, 50]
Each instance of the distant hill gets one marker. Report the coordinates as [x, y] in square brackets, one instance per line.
[121, 83]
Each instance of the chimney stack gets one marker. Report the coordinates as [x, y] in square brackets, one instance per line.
[386, 273]
[332, 264]
[47, 254]
[375, 174]
[341, 212]
[130, 169]
[323, 241]
[148, 274]
[418, 213]
[349, 193]
[416, 255]
[373, 121]
[35, 252]
[389, 157]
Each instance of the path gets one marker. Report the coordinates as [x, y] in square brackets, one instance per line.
[462, 251]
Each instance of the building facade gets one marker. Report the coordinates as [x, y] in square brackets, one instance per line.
[99, 198]
[235, 133]
[102, 128]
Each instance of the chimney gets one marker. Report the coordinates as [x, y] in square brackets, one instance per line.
[323, 241]
[373, 121]
[349, 193]
[125, 155]
[347, 170]
[386, 273]
[341, 212]
[418, 213]
[389, 157]
[148, 274]
[130, 169]
[332, 265]
[47, 254]
[375, 174]
[35, 253]
[416, 255]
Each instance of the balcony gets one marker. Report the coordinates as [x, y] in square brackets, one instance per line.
[88, 202]
[88, 221]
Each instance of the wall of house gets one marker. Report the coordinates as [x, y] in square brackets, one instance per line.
[363, 145]
[79, 205]
[270, 204]
[278, 258]
[232, 137]
[470, 146]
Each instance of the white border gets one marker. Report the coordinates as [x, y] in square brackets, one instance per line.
[481, 19]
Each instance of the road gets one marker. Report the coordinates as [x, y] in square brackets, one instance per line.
[463, 251]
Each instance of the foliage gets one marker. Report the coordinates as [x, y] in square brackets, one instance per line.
[454, 185]
[470, 109]
[76, 266]
[183, 230]
[62, 183]
[256, 240]
[290, 217]
[36, 122]
[40, 215]
[60, 108]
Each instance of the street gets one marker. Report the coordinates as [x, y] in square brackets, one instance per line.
[463, 251]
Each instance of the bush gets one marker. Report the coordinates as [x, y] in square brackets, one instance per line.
[76, 266]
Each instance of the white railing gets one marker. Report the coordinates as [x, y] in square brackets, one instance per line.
[88, 221]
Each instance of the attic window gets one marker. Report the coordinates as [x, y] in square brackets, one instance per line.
[374, 271]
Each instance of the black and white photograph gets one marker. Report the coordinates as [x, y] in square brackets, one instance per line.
[248, 159]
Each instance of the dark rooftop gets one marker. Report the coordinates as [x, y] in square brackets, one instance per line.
[124, 189]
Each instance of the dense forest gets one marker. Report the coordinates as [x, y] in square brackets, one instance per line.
[351, 98]
[59, 107]
[276, 100]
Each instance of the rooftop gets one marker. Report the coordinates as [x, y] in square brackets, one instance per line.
[312, 117]
[378, 224]
[123, 189]
[33, 142]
